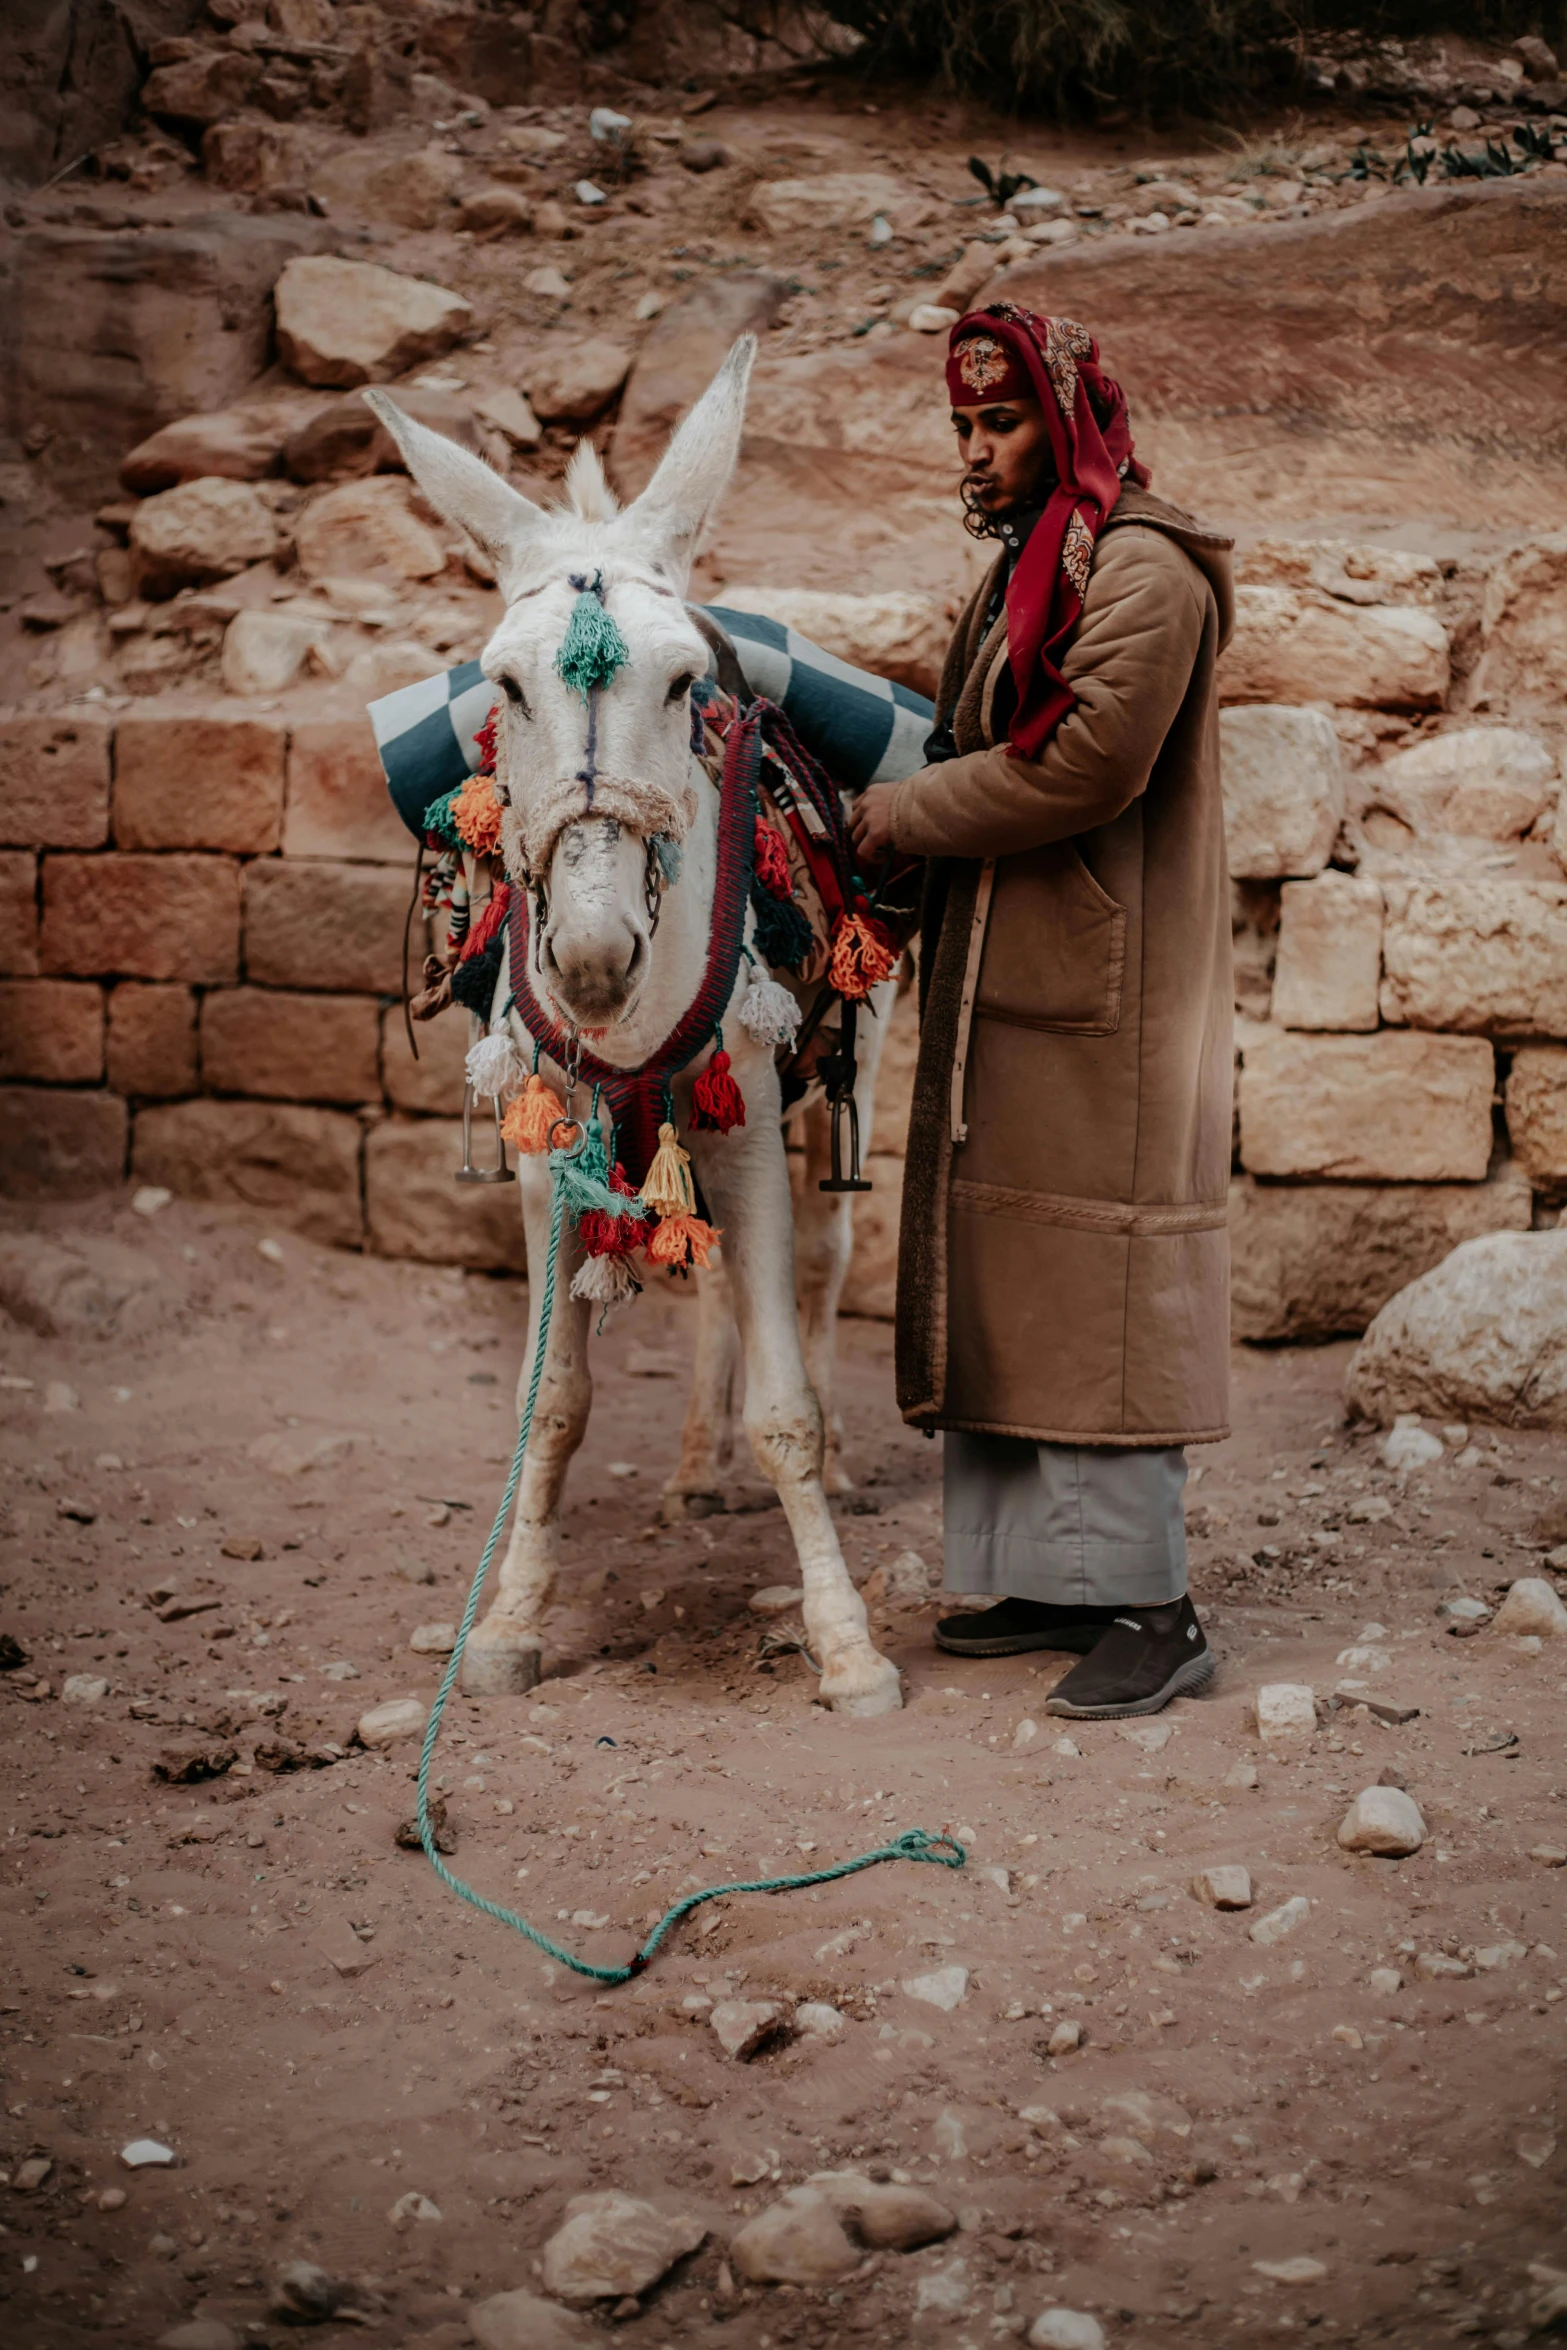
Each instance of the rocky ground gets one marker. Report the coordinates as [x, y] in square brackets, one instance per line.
[243, 1472]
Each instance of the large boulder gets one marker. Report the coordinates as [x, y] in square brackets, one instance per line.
[412, 191]
[680, 357]
[1524, 629]
[367, 527]
[346, 438]
[897, 634]
[1487, 956]
[1483, 1337]
[204, 530]
[1396, 1107]
[1283, 782]
[236, 444]
[199, 90]
[1479, 783]
[352, 322]
[1293, 648]
[1318, 1260]
[1329, 957]
[574, 382]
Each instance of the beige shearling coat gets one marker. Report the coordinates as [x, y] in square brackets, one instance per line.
[1063, 1262]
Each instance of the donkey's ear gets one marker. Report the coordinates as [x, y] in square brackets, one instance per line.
[695, 468]
[497, 517]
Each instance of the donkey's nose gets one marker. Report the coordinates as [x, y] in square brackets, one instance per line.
[594, 973]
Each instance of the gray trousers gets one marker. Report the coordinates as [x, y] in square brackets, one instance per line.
[1072, 1525]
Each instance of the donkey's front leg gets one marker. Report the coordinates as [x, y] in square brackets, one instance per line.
[745, 1178]
[505, 1652]
[707, 1439]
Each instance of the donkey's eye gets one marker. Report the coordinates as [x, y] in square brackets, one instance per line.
[514, 694]
[681, 687]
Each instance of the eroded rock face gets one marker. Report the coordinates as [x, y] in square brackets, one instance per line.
[1283, 782]
[1537, 1113]
[352, 322]
[1524, 624]
[1484, 956]
[1482, 1337]
[610, 2245]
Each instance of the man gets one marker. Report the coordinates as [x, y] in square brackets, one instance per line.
[1063, 1279]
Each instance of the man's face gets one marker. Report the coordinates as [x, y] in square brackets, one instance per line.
[1005, 448]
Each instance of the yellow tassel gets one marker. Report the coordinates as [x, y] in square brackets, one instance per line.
[682, 1240]
[532, 1116]
[668, 1189]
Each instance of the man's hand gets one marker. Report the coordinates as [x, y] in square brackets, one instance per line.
[871, 822]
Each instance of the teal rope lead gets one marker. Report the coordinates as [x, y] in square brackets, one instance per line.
[913, 1844]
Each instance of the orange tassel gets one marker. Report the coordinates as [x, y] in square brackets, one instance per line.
[532, 1116]
[476, 815]
[682, 1240]
[862, 955]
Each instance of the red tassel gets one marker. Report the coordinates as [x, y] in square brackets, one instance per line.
[489, 921]
[485, 738]
[772, 861]
[717, 1103]
[863, 954]
[603, 1235]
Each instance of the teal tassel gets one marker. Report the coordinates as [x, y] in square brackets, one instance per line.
[583, 1177]
[438, 823]
[593, 649]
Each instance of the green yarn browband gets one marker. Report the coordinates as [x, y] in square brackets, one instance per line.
[593, 650]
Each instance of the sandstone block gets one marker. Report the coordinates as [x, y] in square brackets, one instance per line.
[1383, 1820]
[152, 1041]
[235, 444]
[1318, 1260]
[1350, 574]
[1390, 1108]
[351, 322]
[170, 917]
[681, 355]
[54, 781]
[301, 1166]
[1291, 648]
[1536, 1099]
[899, 634]
[51, 1031]
[345, 440]
[1329, 953]
[54, 1143]
[306, 1048]
[1482, 1337]
[18, 914]
[201, 531]
[742, 2026]
[576, 381]
[367, 527]
[503, 407]
[1480, 782]
[1228, 1886]
[201, 89]
[1283, 782]
[325, 926]
[833, 201]
[199, 781]
[1486, 956]
[1524, 628]
[338, 804]
[432, 1086]
[417, 1210]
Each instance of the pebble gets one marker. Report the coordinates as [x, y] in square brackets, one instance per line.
[1068, 1746]
[301, 2290]
[522, 2321]
[1347, 2036]
[1369, 1510]
[815, 2019]
[150, 1199]
[1024, 1736]
[1464, 1611]
[611, 2245]
[1550, 1856]
[547, 281]
[60, 1396]
[1456, 1433]
[414, 2208]
[1385, 1980]
[888, 2218]
[944, 1987]
[1301, 2270]
[1498, 1955]
[1147, 2115]
[798, 2240]
[776, 1599]
[1066, 2329]
[932, 318]
[1286, 1709]
[1434, 1966]
[742, 2026]
[1536, 2150]
[1383, 1820]
[1064, 2039]
[1408, 1446]
[433, 1639]
[1281, 1921]
[1226, 1887]
[146, 2154]
[943, 2292]
[31, 2174]
[83, 1689]
[389, 1724]
[200, 2333]
[1242, 1774]
[1150, 1736]
[1531, 1607]
[112, 2199]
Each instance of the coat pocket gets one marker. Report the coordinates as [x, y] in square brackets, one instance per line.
[1055, 953]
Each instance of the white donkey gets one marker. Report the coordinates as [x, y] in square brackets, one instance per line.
[597, 958]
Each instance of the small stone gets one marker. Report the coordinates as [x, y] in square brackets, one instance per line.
[340, 1670]
[1147, 2115]
[1066, 2329]
[944, 1987]
[1531, 1608]
[1301, 2270]
[509, 412]
[1242, 1774]
[1464, 1611]
[1286, 1709]
[433, 1639]
[815, 2019]
[1152, 1737]
[1434, 1966]
[1281, 1921]
[1456, 1433]
[1408, 1446]
[1385, 1980]
[201, 2333]
[149, 1199]
[1383, 1820]
[1369, 1510]
[112, 2199]
[414, 2209]
[797, 2241]
[31, 2174]
[546, 281]
[1067, 1746]
[1550, 1856]
[1536, 2149]
[1024, 1736]
[83, 1689]
[943, 2292]
[342, 1949]
[82, 1512]
[302, 2290]
[1347, 2036]
[1499, 1954]
[742, 2026]
[610, 2245]
[60, 1396]
[932, 318]
[147, 2154]
[522, 2321]
[389, 1724]
[1226, 1887]
[1064, 2039]
[776, 1599]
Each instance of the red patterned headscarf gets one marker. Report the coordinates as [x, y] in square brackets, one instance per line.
[1004, 353]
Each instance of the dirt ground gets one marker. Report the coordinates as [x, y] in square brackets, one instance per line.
[250, 1970]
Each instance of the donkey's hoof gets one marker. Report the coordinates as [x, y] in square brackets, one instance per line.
[501, 1668]
[863, 1689]
[677, 1505]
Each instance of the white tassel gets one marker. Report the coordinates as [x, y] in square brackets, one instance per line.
[769, 1012]
[495, 1067]
[605, 1281]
